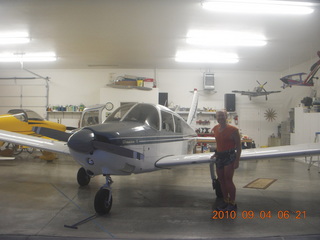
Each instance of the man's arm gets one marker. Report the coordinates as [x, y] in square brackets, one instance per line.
[237, 140]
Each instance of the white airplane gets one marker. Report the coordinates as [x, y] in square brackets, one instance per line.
[139, 138]
[257, 91]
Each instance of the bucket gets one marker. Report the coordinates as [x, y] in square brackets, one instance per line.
[140, 83]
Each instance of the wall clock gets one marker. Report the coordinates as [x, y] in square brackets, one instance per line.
[109, 106]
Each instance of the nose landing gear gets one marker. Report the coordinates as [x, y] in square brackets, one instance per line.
[103, 198]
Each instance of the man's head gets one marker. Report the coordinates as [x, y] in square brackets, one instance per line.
[222, 116]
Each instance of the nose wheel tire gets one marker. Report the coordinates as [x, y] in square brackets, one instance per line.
[103, 201]
[82, 177]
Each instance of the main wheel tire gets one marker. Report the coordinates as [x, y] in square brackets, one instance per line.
[82, 177]
[216, 186]
[102, 202]
[17, 149]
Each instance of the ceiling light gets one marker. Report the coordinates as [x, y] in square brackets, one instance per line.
[225, 38]
[197, 56]
[259, 6]
[14, 38]
[31, 57]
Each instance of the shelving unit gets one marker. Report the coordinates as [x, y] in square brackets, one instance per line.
[67, 118]
[64, 114]
[209, 116]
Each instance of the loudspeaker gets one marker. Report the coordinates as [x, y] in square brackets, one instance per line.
[163, 99]
[230, 102]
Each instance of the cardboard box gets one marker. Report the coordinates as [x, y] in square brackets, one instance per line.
[126, 83]
[149, 82]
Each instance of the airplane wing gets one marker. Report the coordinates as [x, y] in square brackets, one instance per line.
[242, 92]
[52, 133]
[255, 94]
[247, 93]
[35, 142]
[268, 92]
[289, 151]
[294, 74]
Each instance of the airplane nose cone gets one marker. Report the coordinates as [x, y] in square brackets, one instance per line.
[81, 141]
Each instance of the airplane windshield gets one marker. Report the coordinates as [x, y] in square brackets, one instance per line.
[21, 116]
[119, 113]
[33, 115]
[25, 114]
[144, 113]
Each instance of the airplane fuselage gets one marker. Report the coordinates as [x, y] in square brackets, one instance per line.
[127, 146]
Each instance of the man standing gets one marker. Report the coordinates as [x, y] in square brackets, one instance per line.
[227, 156]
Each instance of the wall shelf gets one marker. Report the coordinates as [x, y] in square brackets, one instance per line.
[64, 114]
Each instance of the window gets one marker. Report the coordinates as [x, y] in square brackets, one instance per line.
[91, 118]
[21, 116]
[167, 122]
[178, 123]
[144, 113]
[33, 115]
[119, 113]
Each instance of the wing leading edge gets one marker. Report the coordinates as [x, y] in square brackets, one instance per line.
[35, 142]
[289, 151]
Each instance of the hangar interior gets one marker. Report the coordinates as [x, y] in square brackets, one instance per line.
[117, 52]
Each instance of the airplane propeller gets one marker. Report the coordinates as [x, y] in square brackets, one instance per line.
[85, 141]
[262, 85]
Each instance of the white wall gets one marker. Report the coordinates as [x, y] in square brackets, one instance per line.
[74, 86]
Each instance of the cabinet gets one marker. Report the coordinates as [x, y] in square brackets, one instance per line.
[274, 141]
[306, 124]
[70, 119]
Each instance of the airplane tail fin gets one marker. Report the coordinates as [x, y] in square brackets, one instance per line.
[193, 108]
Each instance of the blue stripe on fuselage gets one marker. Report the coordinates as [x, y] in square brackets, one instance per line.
[150, 140]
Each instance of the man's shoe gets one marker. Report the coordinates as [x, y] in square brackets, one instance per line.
[229, 208]
[223, 206]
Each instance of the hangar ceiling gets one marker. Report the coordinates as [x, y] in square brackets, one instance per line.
[148, 33]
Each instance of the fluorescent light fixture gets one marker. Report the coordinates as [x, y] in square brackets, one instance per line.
[225, 38]
[197, 56]
[259, 6]
[14, 38]
[31, 57]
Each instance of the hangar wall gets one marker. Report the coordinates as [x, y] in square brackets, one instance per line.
[76, 86]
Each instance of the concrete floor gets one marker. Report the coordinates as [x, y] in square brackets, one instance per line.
[38, 198]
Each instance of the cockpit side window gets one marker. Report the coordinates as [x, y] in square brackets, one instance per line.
[178, 123]
[90, 118]
[143, 113]
[167, 121]
[181, 125]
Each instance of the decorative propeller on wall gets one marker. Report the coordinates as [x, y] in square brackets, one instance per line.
[270, 115]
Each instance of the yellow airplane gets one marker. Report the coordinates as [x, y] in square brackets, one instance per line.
[23, 121]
